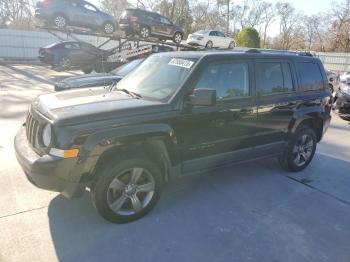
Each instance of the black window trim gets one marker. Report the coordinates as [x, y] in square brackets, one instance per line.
[276, 61]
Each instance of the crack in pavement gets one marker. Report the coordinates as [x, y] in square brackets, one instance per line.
[25, 211]
[305, 183]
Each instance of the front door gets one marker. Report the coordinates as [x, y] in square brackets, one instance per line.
[217, 135]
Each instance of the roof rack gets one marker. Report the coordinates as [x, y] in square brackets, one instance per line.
[299, 53]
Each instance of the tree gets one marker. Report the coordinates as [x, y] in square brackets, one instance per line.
[248, 37]
[290, 28]
[114, 7]
[268, 17]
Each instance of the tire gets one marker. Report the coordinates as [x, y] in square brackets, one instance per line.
[209, 45]
[65, 63]
[60, 21]
[232, 45]
[300, 150]
[145, 32]
[87, 70]
[114, 193]
[331, 88]
[177, 38]
[108, 28]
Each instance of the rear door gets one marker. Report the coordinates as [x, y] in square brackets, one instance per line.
[221, 38]
[276, 103]
[167, 26]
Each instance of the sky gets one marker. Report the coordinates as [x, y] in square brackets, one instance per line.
[308, 7]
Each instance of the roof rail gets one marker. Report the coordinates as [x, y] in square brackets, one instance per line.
[259, 51]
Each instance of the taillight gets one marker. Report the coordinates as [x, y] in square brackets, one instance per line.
[200, 37]
[133, 18]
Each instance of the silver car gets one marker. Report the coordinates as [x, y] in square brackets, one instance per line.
[62, 13]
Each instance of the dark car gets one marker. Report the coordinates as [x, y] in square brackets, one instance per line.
[95, 80]
[62, 13]
[342, 101]
[176, 114]
[72, 55]
[146, 24]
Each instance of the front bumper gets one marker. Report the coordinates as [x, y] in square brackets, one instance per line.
[47, 172]
[195, 42]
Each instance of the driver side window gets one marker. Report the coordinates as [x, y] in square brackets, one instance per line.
[230, 80]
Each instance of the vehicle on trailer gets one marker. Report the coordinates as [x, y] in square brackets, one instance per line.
[333, 80]
[177, 114]
[98, 80]
[146, 24]
[79, 13]
[70, 55]
[342, 101]
[211, 39]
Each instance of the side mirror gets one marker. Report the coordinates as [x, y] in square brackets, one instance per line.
[203, 97]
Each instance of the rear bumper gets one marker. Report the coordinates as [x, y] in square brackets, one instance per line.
[46, 172]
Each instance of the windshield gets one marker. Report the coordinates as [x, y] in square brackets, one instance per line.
[157, 77]
[127, 68]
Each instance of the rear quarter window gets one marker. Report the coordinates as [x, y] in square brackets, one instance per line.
[310, 76]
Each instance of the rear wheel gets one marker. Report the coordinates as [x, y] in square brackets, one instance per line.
[60, 21]
[177, 38]
[300, 150]
[127, 190]
[108, 28]
[145, 32]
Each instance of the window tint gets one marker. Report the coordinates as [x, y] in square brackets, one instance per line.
[72, 46]
[229, 80]
[90, 7]
[271, 79]
[220, 34]
[212, 33]
[165, 20]
[311, 77]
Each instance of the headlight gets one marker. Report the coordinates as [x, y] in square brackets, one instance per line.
[47, 135]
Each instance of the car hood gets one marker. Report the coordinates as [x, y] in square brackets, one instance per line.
[88, 81]
[84, 105]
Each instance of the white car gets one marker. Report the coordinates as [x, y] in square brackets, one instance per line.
[211, 39]
[345, 77]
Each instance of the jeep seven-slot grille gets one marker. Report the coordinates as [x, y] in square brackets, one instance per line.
[32, 129]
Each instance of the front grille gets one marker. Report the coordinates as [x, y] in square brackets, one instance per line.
[32, 130]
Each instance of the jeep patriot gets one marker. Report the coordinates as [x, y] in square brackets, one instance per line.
[177, 114]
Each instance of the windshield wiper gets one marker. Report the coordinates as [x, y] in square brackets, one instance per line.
[133, 94]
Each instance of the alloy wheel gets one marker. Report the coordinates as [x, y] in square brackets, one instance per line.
[60, 21]
[65, 62]
[131, 191]
[109, 28]
[303, 149]
[144, 32]
[209, 45]
[178, 38]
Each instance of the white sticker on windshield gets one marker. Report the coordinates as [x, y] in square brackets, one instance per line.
[181, 63]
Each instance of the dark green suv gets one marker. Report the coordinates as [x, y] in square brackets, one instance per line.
[177, 114]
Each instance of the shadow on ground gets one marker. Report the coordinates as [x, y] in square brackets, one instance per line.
[245, 213]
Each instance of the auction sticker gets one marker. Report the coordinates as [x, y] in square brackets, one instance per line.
[181, 63]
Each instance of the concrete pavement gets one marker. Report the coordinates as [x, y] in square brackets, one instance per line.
[254, 212]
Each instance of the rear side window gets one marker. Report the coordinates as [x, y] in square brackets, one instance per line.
[230, 80]
[273, 78]
[311, 76]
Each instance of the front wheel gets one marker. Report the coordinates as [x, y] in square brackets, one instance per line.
[209, 45]
[60, 21]
[65, 63]
[232, 45]
[300, 150]
[127, 190]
